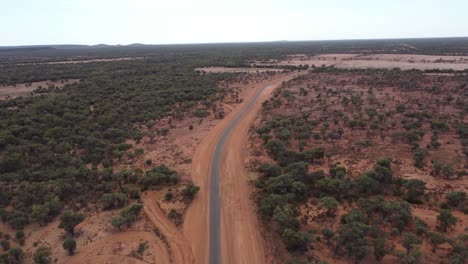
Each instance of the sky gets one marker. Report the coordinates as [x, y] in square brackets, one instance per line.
[37, 22]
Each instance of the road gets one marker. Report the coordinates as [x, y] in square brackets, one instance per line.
[221, 223]
[215, 200]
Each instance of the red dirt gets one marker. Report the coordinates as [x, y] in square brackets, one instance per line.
[240, 232]
[358, 160]
[385, 61]
[180, 251]
[117, 248]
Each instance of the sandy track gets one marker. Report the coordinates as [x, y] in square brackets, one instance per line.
[179, 248]
[108, 250]
[241, 240]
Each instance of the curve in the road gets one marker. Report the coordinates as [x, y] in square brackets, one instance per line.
[215, 201]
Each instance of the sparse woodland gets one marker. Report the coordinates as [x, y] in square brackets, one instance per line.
[353, 163]
[356, 153]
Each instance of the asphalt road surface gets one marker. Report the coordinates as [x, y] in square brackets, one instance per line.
[215, 200]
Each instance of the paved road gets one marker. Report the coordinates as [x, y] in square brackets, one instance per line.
[215, 201]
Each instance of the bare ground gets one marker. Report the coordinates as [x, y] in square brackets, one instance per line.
[25, 89]
[76, 60]
[385, 61]
[225, 69]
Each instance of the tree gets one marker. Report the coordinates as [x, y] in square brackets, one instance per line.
[118, 221]
[40, 213]
[42, 255]
[446, 219]
[69, 220]
[380, 248]
[359, 249]
[435, 239]
[330, 204]
[352, 236]
[415, 189]
[70, 245]
[295, 240]
[410, 240]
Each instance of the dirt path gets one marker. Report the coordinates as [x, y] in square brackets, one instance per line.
[178, 246]
[241, 240]
[112, 249]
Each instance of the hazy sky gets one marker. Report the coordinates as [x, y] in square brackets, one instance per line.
[27, 22]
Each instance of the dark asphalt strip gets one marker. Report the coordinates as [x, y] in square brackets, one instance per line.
[215, 203]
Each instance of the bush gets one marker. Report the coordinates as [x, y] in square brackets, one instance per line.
[69, 220]
[380, 248]
[130, 213]
[159, 175]
[328, 234]
[415, 189]
[118, 221]
[269, 202]
[446, 219]
[20, 236]
[410, 241]
[42, 255]
[168, 196]
[330, 204]
[275, 147]
[270, 170]
[70, 245]
[420, 226]
[338, 172]
[436, 239]
[284, 217]
[418, 155]
[15, 255]
[113, 200]
[190, 191]
[5, 245]
[455, 198]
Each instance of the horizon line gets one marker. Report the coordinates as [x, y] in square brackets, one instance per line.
[230, 42]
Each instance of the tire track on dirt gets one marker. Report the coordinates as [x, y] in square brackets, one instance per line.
[179, 248]
[241, 239]
[98, 252]
[197, 225]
